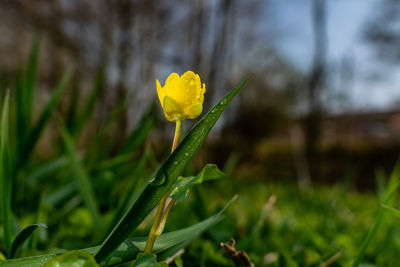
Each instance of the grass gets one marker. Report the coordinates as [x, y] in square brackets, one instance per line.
[308, 227]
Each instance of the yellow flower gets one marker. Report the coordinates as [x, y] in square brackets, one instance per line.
[181, 97]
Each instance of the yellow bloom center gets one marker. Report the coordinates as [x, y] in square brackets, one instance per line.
[181, 97]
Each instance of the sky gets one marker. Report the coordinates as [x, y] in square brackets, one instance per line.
[291, 20]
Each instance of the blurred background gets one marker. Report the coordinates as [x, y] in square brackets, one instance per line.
[325, 88]
[322, 110]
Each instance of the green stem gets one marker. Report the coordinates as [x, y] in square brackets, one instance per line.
[162, 213]
[177, 135]
[160, 227]
[152, 234]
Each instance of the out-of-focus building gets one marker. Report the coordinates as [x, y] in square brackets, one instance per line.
[358, 128]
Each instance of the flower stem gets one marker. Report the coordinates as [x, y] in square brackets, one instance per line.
[162, 213]
[161, 226]
[177, 135]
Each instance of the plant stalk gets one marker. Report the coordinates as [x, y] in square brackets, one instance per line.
[162, 213]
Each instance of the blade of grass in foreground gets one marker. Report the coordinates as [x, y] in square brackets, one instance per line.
[30, 80]
[392, 211]
[22, 237]
[36, 131]
[25, 92]
[141, 132]
[90, 104]
[81, 176]
[166, 176]
[5, 181]
[130, 192]
[394, 184]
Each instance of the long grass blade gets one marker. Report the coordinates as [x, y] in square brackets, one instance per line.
[30, 79]
[394, 184]
[90, 103]
[142, 130]
[129, 194]
[71, 114]
[5, 181]
[46, 169]
[25, 92]
[81, 177]
[390, 210]
[23, 236]
[37, 129]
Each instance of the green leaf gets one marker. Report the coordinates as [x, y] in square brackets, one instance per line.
[22, 122]
[60, 195]
[109, 164]
[90, 103]
[71, 113]
[394, 184]
[47, 168]
[381, 187]
[77, 258]
[81, 177]
[145, 260]
[33, 242]
[285, 260]
[5, 179]
[34, 134]
[392, 211]
[165, 254]
[102, 144]
[142, 130]
[127, 198]
[25, 91]
[166, 176]
[131, 247]
[30, 81]
[23, 236]
[182, 184]
[178, 261]
[185, 236]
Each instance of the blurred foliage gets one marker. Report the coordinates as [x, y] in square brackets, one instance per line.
[276, 222]
[52, 185]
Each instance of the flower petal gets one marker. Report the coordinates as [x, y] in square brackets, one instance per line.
[172, 110]
[194, 110]
[190, 83]
[173, 88]
[160, 92]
